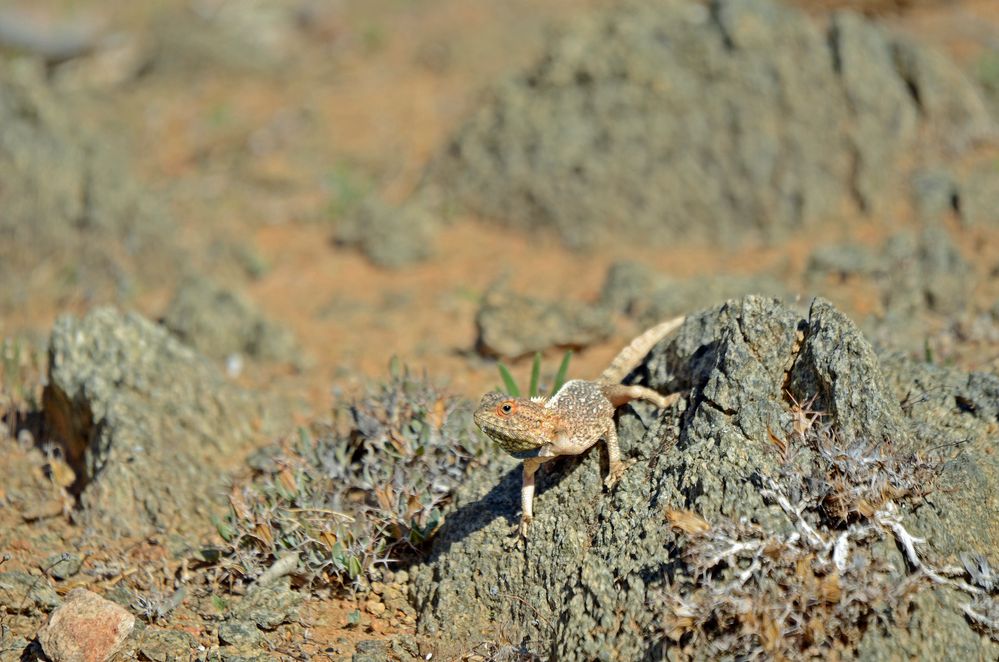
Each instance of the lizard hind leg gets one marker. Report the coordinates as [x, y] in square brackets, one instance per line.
[620, 394]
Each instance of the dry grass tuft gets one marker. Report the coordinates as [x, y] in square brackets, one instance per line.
[370, 488]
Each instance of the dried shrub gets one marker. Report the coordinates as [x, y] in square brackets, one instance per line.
[812, 589]
[369, 488]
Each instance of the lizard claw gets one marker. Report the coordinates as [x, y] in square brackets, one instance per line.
[519, 534]
[617, 470]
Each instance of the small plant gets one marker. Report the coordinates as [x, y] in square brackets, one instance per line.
[510, 384]
[370, 488]
[347, 189]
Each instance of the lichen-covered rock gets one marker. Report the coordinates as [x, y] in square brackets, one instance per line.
[512, 325]
[75, 221]
[221, 323]
[721, 122]
[21, 592]
[146, 423]
[594, 581]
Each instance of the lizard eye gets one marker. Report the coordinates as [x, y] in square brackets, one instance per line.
[507, 408]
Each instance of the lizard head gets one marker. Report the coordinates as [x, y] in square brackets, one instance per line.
[517, 425]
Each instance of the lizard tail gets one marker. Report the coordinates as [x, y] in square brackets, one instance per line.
[629, 357]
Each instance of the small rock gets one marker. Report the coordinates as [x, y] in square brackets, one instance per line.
[162, 645]
[269, 606]
[391, 237]
[374, 607]
[63, 566]
[513, 325]
[405, 647]
[401, 577]
[21, 592]
[86, 628]
[377, 588]
[370, 650]
[222, 323]
[391, 592]
[238, 633]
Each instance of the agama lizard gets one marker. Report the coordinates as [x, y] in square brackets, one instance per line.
[573, 419]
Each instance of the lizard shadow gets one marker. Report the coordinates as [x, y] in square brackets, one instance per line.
[501, 501]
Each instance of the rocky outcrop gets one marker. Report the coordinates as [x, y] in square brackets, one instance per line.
[75, 222]
[146, 423]
[220, 323]
[792, 437]
[743, 119]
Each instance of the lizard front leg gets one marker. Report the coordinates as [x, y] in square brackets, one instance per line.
[527, 494]
[617, 467]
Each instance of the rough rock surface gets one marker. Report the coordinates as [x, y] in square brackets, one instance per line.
[21, 592]
[716, 123]
[911, 274]
[220, 323]
[75, 223]
[86, 628]
[141, 467]
[512, 325]
[588, 584]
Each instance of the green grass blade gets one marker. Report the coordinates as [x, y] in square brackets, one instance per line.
[535, 375]
[508, 381]
[563, 369]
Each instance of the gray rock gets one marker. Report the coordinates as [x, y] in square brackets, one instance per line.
[405, 647]
[843, 261]
[590, 582]
[63, 566]
[391, 237]
[12, 648]
[162, 645]
[219, 322]
[370, 650]
[238, 633]
[269, 606]
[634, 289]
[925, 272]
[912, 273]
[742, 119]
[512, 325]
[955, 107]
[934, 195]
[144, 421]
[885, 118]
[979, 196]
[74, 217]
[23, 593]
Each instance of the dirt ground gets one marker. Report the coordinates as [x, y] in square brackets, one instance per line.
[257, 151]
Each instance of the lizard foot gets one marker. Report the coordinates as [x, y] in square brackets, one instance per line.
[617, 470]
[519, 534]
